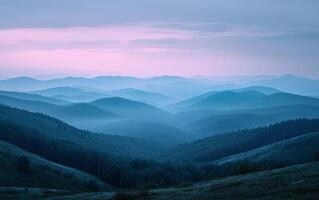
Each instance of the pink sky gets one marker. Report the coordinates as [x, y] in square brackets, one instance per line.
[139, 50]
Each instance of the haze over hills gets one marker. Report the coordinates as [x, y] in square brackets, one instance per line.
[132, 109]
[205, 124]
[292, 84]
[70, 94]
[228, 100]
[33, 97]
[161, 130]
[167, 99]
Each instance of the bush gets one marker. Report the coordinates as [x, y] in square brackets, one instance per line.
[121, 195]
[23, 164]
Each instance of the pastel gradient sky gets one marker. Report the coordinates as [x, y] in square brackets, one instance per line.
[163, 37]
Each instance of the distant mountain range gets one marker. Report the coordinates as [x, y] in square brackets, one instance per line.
[230, 100]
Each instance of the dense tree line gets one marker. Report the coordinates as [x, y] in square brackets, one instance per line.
[244, 140]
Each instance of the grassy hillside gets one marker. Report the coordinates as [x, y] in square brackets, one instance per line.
[281, 184]
[296, 150]
[42, 173]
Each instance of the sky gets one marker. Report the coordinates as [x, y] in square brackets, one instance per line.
[162, 37]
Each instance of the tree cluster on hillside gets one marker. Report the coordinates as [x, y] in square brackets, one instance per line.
[244, 140]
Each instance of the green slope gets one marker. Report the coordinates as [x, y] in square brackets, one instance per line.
[42, 173]
[296, 150]
[227, 144]
[297, 182]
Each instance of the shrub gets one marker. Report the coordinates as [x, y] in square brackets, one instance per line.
[23, 164]
[121, 195]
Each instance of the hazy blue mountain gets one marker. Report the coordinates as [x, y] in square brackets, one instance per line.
[292, 84]
[35, 106]
[188, 102]
[228, 100]
[42, 173]
[297, 150]
[165, 135]
[33, 97]
[222, 145]
[236, 120]
[282, 99]
[261, 89]
[70, 94]
[49, 129]
[190, 116]
[19, 84]
[82, 111]
[178, 89]
[103, 83]
[141, 95]
[72, 113]
[132, 109]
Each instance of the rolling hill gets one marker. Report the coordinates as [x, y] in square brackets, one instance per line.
[33, 97]
[132, 109]
[290, 184]
[141, 96]
[70, 94]
[71, 113]
[292, 84]
[42, 173]
[49, 129]
[242, 119]
[227, 144]
[166, 135]
[296, 150]
[193, 100]
[229, 100]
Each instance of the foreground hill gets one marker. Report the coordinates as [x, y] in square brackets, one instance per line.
[226, 144]
[42, 173]
[296, 150]
[281, 184]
